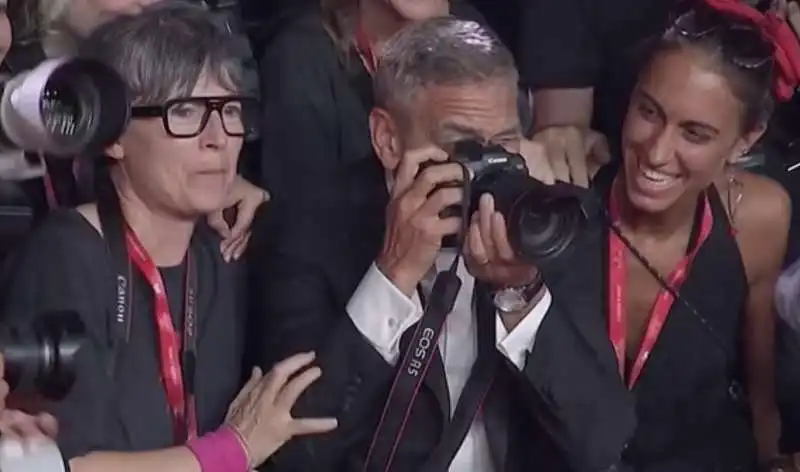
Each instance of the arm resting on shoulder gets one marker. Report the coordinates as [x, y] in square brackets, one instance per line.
[561, 77]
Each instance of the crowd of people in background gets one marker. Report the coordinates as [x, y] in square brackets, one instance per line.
[271, 276]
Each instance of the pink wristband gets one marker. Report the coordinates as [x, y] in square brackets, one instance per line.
[220, 451]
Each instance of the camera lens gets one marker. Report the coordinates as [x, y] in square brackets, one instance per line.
[65, 113]
[40, 357]
[542, 224]
[64, 107]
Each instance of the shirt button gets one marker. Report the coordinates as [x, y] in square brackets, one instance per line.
[392, 322]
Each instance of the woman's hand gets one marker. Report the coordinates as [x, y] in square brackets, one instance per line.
[246, 198]
[261, 413]
[574, 154]
[18, 425]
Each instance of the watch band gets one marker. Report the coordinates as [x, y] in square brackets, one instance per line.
[514, 299]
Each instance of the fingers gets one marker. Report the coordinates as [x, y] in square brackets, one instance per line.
[233, 249]
[47, 424]
[535, 155]
[557, 155]
[217, 222]
[304, 426]
[488, 237]
[255, 378]
[292, 391]
[409, 167]
[485, 214]
[246, 392]
[500, 238]
[433, 177]
[246, 211]
[598, 153]
[283, 370]
[16, 424]
[576, 161]
[475, 243]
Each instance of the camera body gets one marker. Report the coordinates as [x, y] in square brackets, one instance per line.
[543, 221]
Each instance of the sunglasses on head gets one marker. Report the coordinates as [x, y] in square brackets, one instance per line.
[743, 44]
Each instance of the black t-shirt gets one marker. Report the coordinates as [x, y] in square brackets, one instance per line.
[65, 265]
[589, 43]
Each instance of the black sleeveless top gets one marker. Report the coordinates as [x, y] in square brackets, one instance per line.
[692, 411]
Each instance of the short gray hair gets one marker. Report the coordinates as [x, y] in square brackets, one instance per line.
[439, 51]
[162, 52]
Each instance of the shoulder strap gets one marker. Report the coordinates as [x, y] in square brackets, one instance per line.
[121, 299]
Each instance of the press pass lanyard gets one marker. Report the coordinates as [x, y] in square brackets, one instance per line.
[617, 285]
[180, 396]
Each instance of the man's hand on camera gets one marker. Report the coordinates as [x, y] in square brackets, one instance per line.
[488, 253]
[414, 230]
[575, 154]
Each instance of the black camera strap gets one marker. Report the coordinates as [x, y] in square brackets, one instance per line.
[475, 390]
[121, 311]
[411, 371]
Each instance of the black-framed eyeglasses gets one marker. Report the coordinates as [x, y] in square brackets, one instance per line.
[742, 43]
[187, 117]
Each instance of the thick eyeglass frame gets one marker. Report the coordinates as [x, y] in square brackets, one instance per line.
[212, 104]
[754, 50]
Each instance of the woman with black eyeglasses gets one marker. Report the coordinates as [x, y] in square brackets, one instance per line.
[159, 373]
[686, 272]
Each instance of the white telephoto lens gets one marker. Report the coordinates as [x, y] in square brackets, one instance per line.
[40, 455]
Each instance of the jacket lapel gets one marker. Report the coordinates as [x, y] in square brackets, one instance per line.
[495, 408]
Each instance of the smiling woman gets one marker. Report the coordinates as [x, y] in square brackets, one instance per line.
[697, 246]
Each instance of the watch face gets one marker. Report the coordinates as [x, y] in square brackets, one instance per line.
[509, 300]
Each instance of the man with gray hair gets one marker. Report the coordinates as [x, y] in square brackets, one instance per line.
[471, 393]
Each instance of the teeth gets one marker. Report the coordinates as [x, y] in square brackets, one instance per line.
[656, 176]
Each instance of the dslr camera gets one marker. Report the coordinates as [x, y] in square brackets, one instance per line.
[543, 221]
[39, 357]
[61, 108]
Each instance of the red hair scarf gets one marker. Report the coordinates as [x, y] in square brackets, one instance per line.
[776, 30]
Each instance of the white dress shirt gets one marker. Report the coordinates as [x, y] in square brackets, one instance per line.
[382, 313]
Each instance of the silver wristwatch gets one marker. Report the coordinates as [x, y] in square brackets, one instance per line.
[516, 299]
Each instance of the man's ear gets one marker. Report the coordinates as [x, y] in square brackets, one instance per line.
[385, 138]
[115, 151]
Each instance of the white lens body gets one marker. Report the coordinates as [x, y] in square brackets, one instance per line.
[41, 455]
[21, 109]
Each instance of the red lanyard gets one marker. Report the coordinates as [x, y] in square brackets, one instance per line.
[181, 401]
[617, 322]
[364, 50]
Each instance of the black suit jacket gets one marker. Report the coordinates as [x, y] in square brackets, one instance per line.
[567, 410]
